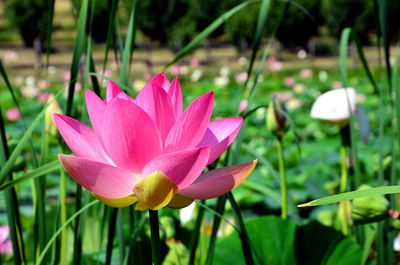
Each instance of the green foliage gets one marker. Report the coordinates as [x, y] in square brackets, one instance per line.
[100, 18]
[277, 241]
[30, 17]
[296, 29]
[344, 13]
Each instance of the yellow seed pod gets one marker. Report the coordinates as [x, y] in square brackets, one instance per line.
[369, 209]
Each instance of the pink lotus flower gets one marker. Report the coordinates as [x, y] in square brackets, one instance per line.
[290, 81]
[13, 114]
[194, 62]
[147, 150]
[5, 244]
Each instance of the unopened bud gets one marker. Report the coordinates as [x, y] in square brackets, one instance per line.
[369, 209]
[276, 120]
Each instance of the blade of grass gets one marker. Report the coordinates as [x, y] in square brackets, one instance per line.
[111, 234]
[351, 195]
[12, 208]
[382, 16]
[49, 31]
[120, 232]
[262, 17]
[78, 49]
[243, 234]
[55, 235]
[207, 31]
[113, 6]
[37, 172]
[194, 241]
[217, 221]
[129, 45]
[360, 52]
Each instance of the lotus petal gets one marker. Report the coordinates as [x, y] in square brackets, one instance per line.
[129, 135]
[217, 182]
[190, 127]
[95, 107]
[99, 178]
[219, 136]
[82, 140]
[182, 167]
[154, 100]
[334, 105]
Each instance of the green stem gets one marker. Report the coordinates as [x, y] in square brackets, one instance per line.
[243, 234]
[343, 188]
[195, 234]
[283, 178]
[155, 237]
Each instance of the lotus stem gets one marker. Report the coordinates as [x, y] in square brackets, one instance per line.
[343, 188]
[155, 237]
[283, 178]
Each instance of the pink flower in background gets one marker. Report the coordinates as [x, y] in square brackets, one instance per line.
[241, 77]
[5, 244]
[42, 84]
[147, 150]
[195, 62]
[243, 105]
[10, 57]
[275, 66]
[336, 85]
[66, 76]
[13, 114]
[147, 76]
[290, 81]
[306, 73]
[175, 69]
[43, 97]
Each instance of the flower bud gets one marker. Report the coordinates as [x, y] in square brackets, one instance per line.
[54, 107]
[276, 120]
[369, 209]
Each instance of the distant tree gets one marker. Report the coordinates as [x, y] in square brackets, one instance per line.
[340, 14]
[296, 28]
[100, 18]
[30, 17]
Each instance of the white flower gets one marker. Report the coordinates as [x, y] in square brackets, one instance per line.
[242, 61]
[302, 54]
[333, 106]
[187, 213]
[322, 76]
[196, 75]
[224, 71]
[221, 81]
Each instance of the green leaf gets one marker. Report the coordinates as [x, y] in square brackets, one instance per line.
[344, 42]
[363, 124]
[352, 195]
[207, 31]
[78, 49]
[129, 45]
[6, 169]
[262, 18]
[40, 171]
[56, 234]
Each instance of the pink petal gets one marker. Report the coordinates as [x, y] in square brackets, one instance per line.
[190, 127]
[82, 140]
[219, 136]
[154, 100]
[95, 107]
[182, 167]
[217, 182]
[99, 178]
[4, 232]
[129, 135]
[160, 80]
[6, 247]
[175, 94]
[113, 91]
